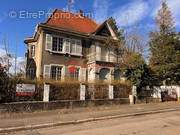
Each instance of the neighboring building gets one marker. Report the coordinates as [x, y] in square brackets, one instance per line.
[68, 39]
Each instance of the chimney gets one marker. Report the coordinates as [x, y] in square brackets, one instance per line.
[80, 13]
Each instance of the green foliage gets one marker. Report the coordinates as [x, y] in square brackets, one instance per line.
[116, 29]
[138, 71]
[122, 89]
[165, 48]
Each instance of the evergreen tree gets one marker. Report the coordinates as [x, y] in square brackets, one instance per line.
[165, 47]
[138, 72]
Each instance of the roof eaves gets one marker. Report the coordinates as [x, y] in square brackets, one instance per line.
[61, 29]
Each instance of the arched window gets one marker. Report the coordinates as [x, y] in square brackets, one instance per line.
[117, 74]
[103, 74]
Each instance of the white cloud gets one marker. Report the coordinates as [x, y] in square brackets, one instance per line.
[2, 52]
[131, 13]
[100, 10]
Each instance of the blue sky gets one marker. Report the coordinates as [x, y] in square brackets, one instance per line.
[128, 13]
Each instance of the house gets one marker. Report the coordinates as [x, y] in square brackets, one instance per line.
[71, 45]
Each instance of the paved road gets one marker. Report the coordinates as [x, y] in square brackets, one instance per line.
[24, 119]
[156, 124]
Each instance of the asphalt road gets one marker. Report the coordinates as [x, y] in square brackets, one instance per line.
[155, 124]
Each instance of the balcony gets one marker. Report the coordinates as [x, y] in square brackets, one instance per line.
[98, 57]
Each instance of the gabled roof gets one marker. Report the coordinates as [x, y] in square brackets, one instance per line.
[105, 24]
[67, 21]
[70, 21]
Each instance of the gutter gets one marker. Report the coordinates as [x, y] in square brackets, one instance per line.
[70, 32]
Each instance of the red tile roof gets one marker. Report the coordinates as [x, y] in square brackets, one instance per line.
[70, 21]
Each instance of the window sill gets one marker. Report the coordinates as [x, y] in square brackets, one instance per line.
[73, 54]
[57, 52]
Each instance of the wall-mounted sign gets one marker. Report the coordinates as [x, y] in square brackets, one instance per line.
[25, 89]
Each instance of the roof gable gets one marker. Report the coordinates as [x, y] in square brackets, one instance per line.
[105, 30]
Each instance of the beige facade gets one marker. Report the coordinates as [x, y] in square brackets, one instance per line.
[58, 51]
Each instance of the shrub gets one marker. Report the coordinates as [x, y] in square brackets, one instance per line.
[101, 91]
[122, 89]
[65, 91]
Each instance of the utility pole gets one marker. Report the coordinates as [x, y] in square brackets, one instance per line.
[15, 58]
[70, 5]
[8, 55]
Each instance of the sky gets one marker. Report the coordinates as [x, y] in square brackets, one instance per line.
[16, 19]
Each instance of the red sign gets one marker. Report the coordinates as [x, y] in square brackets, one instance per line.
[25, 89]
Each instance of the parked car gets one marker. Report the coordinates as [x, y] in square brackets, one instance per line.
[172, 96]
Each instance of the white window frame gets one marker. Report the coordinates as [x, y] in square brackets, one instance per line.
[32, 51]
[77, 67]
[70, 46]
[58, 37]
[62, 70]
[75, 53]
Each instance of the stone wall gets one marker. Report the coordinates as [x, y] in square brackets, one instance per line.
[36, 105]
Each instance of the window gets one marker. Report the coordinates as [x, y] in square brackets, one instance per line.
[117, 74]
[75, 75]
[32, 51]
[104, 74]
[56, 72]
[57, 44]
[76, 47]
[63, 45]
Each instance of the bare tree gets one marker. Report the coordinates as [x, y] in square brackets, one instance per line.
[165, 18]
[130, 41]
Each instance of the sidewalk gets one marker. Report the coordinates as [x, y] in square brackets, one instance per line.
[66, 115]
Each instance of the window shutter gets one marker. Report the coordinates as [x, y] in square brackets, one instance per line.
[48, 42]
[66, 45]
[47, 71]
[98, 51]
[73, 46]
[78, 47]
[82, 74]
[65, 72]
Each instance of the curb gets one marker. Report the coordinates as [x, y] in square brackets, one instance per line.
[30, 127]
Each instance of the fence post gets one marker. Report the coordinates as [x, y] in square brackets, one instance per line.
[132, 98]
[178, 92]
[111, 92]
[82, 91]
[46, 92]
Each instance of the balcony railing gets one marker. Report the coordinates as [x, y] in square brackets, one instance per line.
[98, 57]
